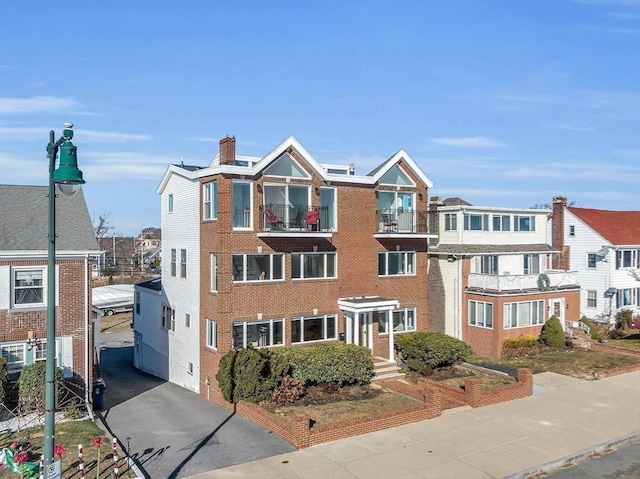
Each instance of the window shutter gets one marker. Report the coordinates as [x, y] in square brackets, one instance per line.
[65, 356]
[5, 287]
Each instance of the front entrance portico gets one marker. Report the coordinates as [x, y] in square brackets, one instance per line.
[358, 316]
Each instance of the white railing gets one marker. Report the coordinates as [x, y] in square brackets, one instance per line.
[521, 282]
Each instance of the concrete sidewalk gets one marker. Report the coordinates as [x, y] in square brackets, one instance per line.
[564, 419]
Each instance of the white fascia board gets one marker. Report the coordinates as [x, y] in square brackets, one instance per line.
[34, 254]
[403, 155]
[494, 209]
[175, 170]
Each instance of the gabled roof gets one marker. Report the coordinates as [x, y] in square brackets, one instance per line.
[24, 215]
[618, 227]
[257, 167]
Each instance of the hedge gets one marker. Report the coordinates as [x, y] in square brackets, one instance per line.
[430, 350]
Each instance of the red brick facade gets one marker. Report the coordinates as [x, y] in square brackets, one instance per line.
[72, 314]
[354, 243]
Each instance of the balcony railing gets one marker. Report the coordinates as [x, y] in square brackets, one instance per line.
[522, 282]
[402, 221]
[300, 218]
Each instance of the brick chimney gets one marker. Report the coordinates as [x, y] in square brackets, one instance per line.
[228, 150]
[560, 260]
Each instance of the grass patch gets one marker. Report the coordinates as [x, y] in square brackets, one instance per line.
[580, 364]
[487, 383]
[351, 402]
[630, 341]
[70, 434]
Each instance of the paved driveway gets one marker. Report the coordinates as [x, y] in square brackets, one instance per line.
[174, 432]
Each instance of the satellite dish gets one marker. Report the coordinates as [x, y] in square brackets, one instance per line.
[604, 251]
[610, 292]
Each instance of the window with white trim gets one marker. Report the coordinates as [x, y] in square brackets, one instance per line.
[241, 204]
[592, 298]
[450, 221]
[183, 263]
[28, 287]
[258, 333]
[170, 203]
[212, 334]
[392, 263]
[187, 320]
[210, 200]
[627, 258]
[173, 262]
[313, 328]
[14, 355]
[628, 297]
[524, 223]
[531, 263]
[168, 318]
[523, 314]
[486, 264]
[404, 319]
[481, 314]
[214, 272]
[313, 265]
[476, 222]
[258, 267]
[592, 258]
[501, 222]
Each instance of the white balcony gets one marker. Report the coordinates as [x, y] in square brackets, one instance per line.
[521, 282]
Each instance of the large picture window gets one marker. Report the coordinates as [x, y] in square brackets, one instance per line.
[258, 267]
[474, 222]
[313, 328]
[521, 315]
[313, 265]
[481, 314]
[524, 223]
[403, 320]
[258, 333]
[28, 287]
[391, 263]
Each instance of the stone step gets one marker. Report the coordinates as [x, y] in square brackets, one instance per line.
[381, 377]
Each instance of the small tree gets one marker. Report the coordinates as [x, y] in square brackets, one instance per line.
[552, 333]
[4, 379]
[623, 318]
[31, 386]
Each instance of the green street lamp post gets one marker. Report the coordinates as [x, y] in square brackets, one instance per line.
[68, 176]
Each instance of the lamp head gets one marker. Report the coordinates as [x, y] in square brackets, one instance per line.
[68, 173]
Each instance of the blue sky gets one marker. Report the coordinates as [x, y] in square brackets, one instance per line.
[502, 103]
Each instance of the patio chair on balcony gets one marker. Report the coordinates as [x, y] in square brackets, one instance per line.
[389, 223]
[313, 218]
[275, 222]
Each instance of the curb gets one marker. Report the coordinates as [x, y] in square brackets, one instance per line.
[535, 471]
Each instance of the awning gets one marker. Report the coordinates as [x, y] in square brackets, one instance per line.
[364, 304]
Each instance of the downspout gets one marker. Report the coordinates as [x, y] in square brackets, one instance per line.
[86, 337]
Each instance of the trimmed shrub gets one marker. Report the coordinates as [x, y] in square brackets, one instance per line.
[4, 379]
[337, 363]
[552, 333]
[523, 341]
[288, 391]
[31, 386]
[249, 375]
[593, 330]
[430, 350]
[623, 318]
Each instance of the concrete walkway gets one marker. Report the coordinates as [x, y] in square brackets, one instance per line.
[566, 418]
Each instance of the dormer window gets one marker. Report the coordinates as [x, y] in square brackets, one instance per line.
[286, 166]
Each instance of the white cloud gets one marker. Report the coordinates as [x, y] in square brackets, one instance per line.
[110, 165]
[468, 142]
[41, 133]
[37, 104]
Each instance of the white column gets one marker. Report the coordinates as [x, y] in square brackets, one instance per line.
[390, 326]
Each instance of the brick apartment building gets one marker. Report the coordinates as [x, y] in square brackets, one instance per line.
[282, 250]
[23, 281]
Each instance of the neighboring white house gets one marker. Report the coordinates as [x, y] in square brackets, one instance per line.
[604, 248]
[166, 313]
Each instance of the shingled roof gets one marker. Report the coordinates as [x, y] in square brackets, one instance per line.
[24, 214]
[618, 227]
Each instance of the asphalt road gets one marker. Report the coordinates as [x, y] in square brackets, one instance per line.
[622, 463]
[174, 432]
